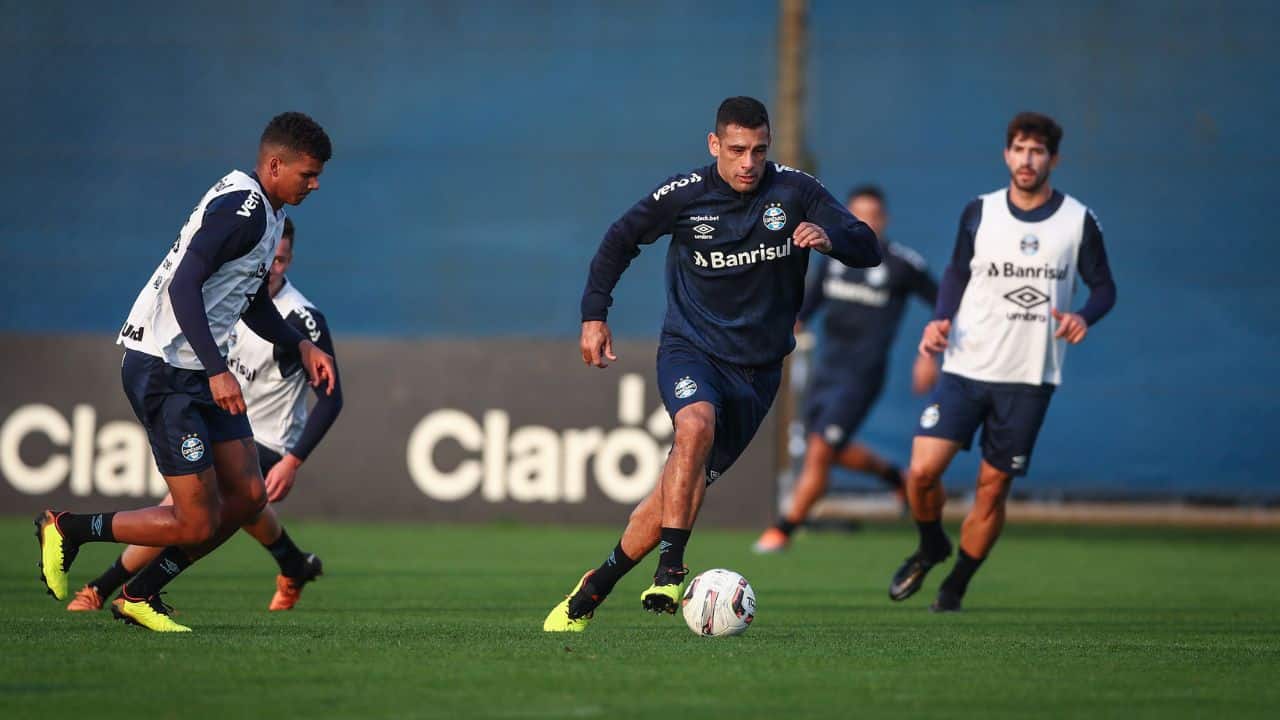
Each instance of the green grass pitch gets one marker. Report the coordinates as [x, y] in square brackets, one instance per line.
[445, 621]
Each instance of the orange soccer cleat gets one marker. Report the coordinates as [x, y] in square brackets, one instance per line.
[87, 598]
[288, 589]
[772, 541]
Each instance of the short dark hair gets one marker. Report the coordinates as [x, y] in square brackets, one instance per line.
[743, 111]
[298, 132]
[288, 231]
[869, 190]
[1035, 125]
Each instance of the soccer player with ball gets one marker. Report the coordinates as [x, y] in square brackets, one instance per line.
[741, 232]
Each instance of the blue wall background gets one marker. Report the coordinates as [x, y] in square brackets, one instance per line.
[482, 148]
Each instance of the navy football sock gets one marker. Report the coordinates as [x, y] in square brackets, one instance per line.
[155, 576]
[111, 580]
[79, 529]
[611, 571]
[933, 541]
[291, 560]
[671, 550]
[958, 581]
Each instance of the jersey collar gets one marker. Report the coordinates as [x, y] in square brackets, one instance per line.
[1044, 212]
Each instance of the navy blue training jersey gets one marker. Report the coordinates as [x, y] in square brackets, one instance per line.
[863, 307]
[734, 279]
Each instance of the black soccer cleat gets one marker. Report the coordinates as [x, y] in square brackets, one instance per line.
[947, 601]
[584, 602]
[910, 577]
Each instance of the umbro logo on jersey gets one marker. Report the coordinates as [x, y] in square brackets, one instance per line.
[248, 206]
[1026, 297]
[702, 231]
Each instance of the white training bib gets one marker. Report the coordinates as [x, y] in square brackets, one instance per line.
[152, 327]
[1003, 331]
[277, 402]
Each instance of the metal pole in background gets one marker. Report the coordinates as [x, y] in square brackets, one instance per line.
[789, 148]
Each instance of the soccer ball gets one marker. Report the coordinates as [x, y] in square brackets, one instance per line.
[719, 603]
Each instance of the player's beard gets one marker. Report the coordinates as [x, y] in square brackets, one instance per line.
[1036, 183]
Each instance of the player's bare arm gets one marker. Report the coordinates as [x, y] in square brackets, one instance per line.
[808, 235]
[924, 373]
[934, 338]
[596, 343]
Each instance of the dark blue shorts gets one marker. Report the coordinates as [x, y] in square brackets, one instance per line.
[177, 411]
[839, 400]
[741, 395]
[1010, 415]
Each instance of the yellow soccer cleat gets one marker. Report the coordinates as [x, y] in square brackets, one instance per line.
[87, 598]
[665, 597]
[56, 554]
[151, 614]
[558, 619]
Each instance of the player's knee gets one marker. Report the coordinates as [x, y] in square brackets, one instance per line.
[255, 499]
[993, 491]
[923, 475]
[695, 428]
[197, 529]
[820, 449]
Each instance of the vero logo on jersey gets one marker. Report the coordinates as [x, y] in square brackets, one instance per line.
[682, 182]
[309, 320]
[248, 206]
